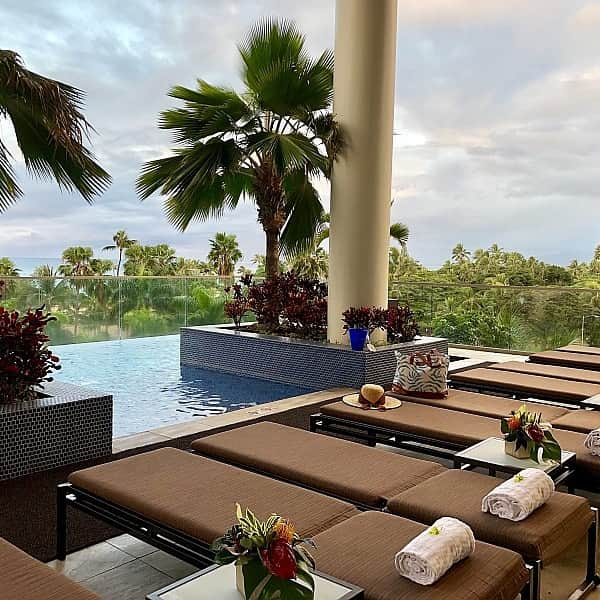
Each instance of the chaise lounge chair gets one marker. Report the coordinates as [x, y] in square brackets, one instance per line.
[365, 477]
[180, 503]
[580, 349]
[439, 432]
[24, 578]
[567, 359]
[530, 368]
[361, 551]
[522, 385]
[330, 464]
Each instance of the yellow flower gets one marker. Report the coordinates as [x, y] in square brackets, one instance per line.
[518, 477]
[434, 531]
[284, 530]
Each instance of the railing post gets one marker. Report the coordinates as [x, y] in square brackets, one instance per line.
[185, 302]
[119, 309]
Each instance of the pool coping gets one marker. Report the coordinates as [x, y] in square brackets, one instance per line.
[204, 424]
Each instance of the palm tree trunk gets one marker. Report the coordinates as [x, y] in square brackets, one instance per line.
[119, 263]
[272, 253]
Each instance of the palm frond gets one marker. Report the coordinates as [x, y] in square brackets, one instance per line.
[9, 188]
[400, 233]
[50, 130]
[305, 210]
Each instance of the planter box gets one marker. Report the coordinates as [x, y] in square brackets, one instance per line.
[68, 424]
[315, 365]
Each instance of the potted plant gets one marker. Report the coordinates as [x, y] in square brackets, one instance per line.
[525, 435]
[271, 559]
[25, 359]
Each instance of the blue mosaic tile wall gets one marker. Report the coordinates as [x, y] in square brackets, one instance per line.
[296, 362]
[72, 424]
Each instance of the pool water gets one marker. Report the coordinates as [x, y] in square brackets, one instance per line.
[151, 389]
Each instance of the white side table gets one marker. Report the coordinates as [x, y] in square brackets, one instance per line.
[219, 582]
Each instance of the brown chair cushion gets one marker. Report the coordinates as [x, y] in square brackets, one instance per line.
[567, 359]
[548, 387]
[460, 428]
[445, 425]
[24, 578]
[197, 495]
[588, 466]
[361, 551]
[549, 371]
[578, 420]
[320, 462]
[485, 405]
[544, 535]
[581, 349]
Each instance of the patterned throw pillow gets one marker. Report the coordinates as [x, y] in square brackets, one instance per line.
[424, 375]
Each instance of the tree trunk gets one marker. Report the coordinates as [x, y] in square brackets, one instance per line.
[272, 253]
[119, 264]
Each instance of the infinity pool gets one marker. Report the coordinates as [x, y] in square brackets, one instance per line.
[149, 387]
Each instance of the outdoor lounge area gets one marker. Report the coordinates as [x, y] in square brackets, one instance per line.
[268, 395]
[381, 477]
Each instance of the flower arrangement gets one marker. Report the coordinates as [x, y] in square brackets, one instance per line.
[25, 359]
[272, 558]
[528, 434]
[398, 321]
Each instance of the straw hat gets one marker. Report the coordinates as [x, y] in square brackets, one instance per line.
[371, 397]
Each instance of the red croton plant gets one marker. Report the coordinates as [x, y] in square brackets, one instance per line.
[25, 359]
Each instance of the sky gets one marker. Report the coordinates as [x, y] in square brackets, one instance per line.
[497, 118]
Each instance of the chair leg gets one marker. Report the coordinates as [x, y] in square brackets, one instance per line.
[61, 520]
[527, 590]
[536, 580]
[592, 579]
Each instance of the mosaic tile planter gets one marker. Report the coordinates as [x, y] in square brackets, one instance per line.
[69, 424]
[299, 362]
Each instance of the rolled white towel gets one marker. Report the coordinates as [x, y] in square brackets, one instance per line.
[516, 498]
[592, 442]
[426, 558]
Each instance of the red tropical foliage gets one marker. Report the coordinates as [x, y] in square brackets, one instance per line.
[25, 359]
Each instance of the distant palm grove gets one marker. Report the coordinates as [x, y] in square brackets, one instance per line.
[488, 297]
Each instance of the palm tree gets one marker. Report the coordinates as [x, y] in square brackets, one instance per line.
[460, 254]
[79, 261]
[121, 242]
[224, 253]
[8, 268]
[264, 144]
[314, 265]
[399, 232]
[50, 130]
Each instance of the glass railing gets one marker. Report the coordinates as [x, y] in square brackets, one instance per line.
[91, 309]
[506, 317]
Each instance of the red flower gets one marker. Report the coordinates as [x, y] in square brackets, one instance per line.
[514, 423]
[535, 433]
[280, 560]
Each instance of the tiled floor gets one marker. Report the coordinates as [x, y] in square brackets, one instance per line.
[123, 568]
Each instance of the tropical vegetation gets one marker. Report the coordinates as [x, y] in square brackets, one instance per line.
[50, 130]
[265, 144]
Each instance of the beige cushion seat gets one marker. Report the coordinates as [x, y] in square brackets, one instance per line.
[197, 496]
[567, 359]
[548, 371]
[450, 426]
[335, 466]
[578, 420]
[581, 349]
[538, 386]
[544, 535]
[484, 404]
[361, 551]
[24, 578]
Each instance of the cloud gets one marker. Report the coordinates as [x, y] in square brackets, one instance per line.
[496, 117]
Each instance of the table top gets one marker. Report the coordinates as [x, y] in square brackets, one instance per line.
[491, 452]
[219, 582]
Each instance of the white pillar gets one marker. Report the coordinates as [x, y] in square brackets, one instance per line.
[365, 67]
